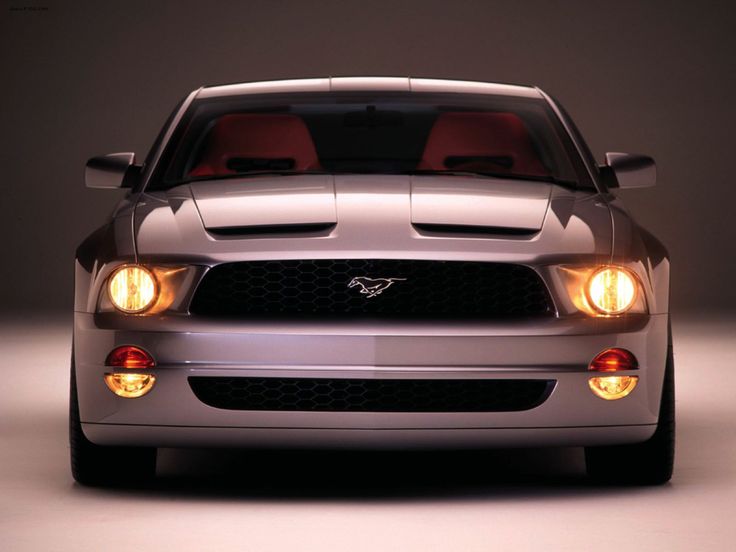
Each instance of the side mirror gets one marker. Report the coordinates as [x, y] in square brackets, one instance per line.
[111, 171]
[629, 170]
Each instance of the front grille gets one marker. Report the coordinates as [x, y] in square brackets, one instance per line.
[370, 395]
[456, 289]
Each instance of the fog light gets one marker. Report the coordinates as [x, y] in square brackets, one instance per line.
[613, 387]
[130, 386]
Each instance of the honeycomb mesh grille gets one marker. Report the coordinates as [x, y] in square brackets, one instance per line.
[361, 287]
[370, 395]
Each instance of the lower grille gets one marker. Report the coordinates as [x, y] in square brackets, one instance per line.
[382, 288]
[370, 395]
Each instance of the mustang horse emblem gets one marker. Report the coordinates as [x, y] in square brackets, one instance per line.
[373, 286]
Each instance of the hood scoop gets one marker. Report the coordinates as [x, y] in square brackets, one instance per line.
[478, 205]
[467, 230]
[312, 229]
[266, 205]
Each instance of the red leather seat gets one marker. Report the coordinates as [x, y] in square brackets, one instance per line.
[480, 141]
[257, 136]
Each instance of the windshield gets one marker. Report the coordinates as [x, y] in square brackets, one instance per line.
[369, 133]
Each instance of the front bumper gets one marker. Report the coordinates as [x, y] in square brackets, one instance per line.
[558, 348]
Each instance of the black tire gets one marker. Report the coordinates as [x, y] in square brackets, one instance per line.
[647, 463]
[95, 465]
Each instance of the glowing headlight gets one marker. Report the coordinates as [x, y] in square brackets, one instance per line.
[611, 290]
[132, 289]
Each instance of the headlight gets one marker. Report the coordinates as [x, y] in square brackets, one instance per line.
[611, 290]
[602, 290]
[132, 288]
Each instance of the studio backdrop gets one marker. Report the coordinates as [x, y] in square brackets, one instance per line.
[87, 78]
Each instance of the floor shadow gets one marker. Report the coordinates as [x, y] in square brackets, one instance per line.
[370, 475]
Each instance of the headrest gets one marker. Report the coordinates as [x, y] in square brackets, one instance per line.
[481, 141]
[253, 141]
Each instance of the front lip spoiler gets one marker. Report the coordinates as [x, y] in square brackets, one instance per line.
[327, 428]
[363, 438]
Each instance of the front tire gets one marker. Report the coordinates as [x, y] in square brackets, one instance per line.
[647, 463]
[95, 465]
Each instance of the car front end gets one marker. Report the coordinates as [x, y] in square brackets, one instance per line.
[360, 309]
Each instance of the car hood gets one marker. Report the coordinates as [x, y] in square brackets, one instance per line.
[390, 216]
[229, 206]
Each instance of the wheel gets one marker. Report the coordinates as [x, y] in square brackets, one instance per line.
[96, 465]
[647, 463]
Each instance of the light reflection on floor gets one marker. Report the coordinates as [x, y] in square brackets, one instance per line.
[215, 500]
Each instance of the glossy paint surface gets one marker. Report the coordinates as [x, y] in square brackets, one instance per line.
[198, 225]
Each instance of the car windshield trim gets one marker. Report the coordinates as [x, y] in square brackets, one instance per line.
[473, 174]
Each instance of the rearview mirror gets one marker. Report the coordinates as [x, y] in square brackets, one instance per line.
[111, 171]
[629, 170]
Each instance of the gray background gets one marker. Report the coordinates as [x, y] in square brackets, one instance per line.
[86, 78]
[79, 79]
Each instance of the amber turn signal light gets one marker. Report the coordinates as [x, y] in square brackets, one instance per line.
[126, 384]
[613, 387]
[614, 360]
[130, 356]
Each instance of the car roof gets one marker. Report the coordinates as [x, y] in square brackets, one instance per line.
[358, 84]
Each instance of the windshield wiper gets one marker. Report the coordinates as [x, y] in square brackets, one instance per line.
[499, 175]
[248, 174]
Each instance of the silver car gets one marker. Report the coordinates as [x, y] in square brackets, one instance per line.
[371, 263]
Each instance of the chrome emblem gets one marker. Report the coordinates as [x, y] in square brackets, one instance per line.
[371, 287]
